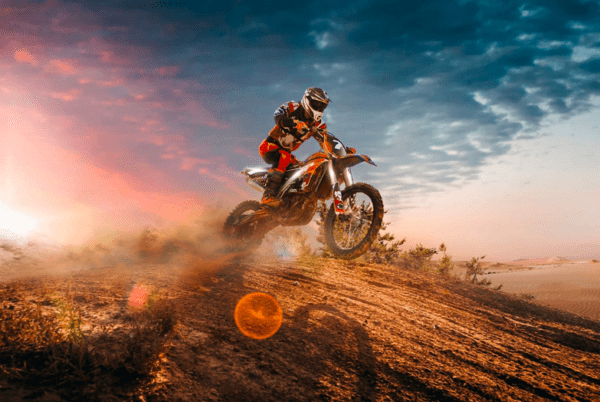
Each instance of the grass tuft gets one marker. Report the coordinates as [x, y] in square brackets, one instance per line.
[42, 343]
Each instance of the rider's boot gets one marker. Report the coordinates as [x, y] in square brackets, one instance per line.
[273, 182]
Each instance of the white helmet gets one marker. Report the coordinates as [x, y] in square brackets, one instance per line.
[314, 101]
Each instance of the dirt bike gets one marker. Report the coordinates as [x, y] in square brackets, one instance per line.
[352, 222]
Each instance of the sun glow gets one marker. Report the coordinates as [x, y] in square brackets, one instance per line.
[15, 222]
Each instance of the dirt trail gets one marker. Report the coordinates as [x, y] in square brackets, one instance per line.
[350, 332]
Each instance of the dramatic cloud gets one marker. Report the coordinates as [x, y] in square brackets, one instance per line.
[434, 90]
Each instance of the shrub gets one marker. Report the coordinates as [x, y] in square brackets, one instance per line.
[417, 258]
[42, 342]
[473, 269]
[38, 344]
[151, 328]
[445, 264]
[69, 317]
[384, 250]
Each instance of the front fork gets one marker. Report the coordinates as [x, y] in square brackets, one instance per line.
[338, 204]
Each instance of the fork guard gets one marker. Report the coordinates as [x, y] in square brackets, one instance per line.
[338, 203]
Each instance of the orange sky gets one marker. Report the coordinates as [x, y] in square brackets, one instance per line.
[106, 125]
[70, 196]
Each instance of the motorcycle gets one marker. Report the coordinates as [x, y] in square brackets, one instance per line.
[354, 217]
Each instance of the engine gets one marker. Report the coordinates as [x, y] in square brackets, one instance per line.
[298, 209]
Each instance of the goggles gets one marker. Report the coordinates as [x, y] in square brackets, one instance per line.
[317, 105]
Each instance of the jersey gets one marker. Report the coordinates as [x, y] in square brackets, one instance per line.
[293, 128]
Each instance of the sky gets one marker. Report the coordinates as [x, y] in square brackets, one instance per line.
[482, 116]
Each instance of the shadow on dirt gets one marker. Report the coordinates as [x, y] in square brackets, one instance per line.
[319, 353]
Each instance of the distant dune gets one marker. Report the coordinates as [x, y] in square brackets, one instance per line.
[544, 260]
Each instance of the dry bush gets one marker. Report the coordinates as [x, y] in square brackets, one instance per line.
[42, 344]
[26, 334]
[155, 246]
[418, 258]
[474, 268]
[69, 317]
[385, 249]
[151, 329]
[445, 264]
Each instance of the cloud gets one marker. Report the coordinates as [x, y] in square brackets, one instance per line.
[116, 82]
[68, 96]
[61, 67]
[109, 57]
[226, 181]
[592, 65]
[422, 82]
[243, 152]
[188, 163]
[168, 70]
[23, 56]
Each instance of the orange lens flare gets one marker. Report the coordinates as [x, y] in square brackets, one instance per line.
[258, 315]
[138, 297]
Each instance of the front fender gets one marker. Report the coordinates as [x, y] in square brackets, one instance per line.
[351, 160]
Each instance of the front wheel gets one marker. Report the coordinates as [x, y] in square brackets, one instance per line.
[349, 235]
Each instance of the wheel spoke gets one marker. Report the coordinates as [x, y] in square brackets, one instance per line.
[351, 232]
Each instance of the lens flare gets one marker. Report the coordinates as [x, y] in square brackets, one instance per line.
[258, 315]
[138, 297]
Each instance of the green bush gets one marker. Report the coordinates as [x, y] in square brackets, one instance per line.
[418, 258]
[473, 269]
[384, 250]
[445, 264]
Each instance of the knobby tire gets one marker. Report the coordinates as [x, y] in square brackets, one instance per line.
[364, 245]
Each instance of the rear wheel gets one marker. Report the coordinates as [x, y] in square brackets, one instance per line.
[237, 229]
[350, 235]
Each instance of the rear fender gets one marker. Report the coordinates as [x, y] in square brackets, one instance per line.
[256, 177]
[255, 171]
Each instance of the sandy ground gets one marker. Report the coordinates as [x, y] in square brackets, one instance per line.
[350, 332]
[572, 286]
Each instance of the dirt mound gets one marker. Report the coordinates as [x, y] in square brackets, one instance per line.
[350, 331]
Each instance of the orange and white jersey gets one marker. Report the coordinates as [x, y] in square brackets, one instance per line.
[293, 127]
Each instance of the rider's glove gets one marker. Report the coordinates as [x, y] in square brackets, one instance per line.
[350, 150]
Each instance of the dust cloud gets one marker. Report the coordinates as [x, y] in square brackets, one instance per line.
[173, 244]
[181, 247]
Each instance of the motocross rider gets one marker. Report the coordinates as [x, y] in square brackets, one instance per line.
[294, 123]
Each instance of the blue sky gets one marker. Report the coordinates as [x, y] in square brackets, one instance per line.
[167, 101]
